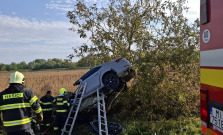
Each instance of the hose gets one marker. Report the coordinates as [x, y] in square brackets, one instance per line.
[49, 126]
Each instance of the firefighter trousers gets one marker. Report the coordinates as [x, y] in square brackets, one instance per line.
[60, 121]
[47, 118]
[22, 132]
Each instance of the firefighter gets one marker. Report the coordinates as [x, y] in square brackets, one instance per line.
[46, 103]
[16, 103]
[62, 106]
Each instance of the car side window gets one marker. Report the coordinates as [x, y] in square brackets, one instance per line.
[89, 73]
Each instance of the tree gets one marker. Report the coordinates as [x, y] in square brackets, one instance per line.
[22, 65]
[32, 65]
[122, 27]
[39, 64]
[160, 42]
[50, 64]
[2, 67]
[59, 63]
[8, 67]
[88, 61]
[13, 66]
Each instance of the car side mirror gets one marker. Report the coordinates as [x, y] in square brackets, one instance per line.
[77, 82]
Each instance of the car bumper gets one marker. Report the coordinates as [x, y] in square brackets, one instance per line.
[127, 75]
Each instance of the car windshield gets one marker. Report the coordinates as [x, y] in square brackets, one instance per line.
[89, 73]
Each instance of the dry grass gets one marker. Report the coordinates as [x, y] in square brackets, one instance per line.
[41, 81]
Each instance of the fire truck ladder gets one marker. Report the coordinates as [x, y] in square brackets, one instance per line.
[102, 118]
[71, 118]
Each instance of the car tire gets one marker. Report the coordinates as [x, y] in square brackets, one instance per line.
[110, 80]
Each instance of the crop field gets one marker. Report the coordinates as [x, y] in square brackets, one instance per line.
[182, 101]
[41, 81]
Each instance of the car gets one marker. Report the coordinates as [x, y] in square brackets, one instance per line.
[111, 77]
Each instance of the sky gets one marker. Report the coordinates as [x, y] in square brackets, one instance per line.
[38, 29]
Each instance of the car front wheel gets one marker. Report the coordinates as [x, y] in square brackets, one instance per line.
[110, 80]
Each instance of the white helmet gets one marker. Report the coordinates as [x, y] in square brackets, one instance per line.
[16, 77]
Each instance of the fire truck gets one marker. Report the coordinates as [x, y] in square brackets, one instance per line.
[211, 66]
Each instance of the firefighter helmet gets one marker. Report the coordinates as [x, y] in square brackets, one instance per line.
[16, 77]
[63, 91]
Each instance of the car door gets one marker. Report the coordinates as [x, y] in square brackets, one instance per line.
[93, 80]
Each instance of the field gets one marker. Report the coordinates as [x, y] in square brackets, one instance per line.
[41, 81]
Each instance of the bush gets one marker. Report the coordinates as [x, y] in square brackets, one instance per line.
[180, 126]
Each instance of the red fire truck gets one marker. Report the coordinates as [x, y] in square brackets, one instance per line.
[211, 66]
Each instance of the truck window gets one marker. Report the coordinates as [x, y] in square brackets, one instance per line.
[204, 11]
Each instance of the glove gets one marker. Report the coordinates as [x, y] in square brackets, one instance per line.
[40, 117]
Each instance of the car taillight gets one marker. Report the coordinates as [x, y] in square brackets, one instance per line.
[118, 60]
[204, 11]
[204, 106]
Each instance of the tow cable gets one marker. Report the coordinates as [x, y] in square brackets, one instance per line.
[51, 125]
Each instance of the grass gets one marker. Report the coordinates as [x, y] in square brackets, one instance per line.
[180, 126]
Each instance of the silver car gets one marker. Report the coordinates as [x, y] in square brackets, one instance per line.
[110, 76]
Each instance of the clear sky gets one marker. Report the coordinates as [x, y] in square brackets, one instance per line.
[36, 29]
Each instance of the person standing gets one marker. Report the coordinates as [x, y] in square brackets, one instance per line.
[46, 103]
[16, 103]
[62, 106]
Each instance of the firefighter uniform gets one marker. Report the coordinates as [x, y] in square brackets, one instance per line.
[62, 106]
[16, 103]
[46, 103]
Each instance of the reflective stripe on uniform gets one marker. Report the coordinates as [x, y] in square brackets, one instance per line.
[33, 100]
[64, 102]
[49, 109]
[60, 103]
[59, 99]
[61, 110]
[39, 110]
[45, 103]
[48, 124]
[68, 104]
[17, 122]
[14, 106]
[55, 128]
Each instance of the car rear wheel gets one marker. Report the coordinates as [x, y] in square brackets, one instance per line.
[110, 80]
